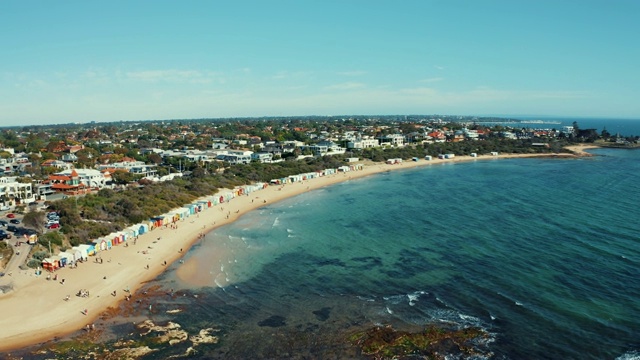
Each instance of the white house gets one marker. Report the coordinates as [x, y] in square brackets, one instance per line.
[13, 192]
[363, 143]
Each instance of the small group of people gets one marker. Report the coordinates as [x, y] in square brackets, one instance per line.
[83, 293]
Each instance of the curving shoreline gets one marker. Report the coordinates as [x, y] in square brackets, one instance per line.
[38, 313]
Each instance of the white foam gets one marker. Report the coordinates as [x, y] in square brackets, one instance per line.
[415, 296]
[389, 310]
[412, 299]
[631, 355]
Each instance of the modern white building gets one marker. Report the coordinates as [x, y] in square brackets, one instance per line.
[363, 143]
[263, 157]
[393, 140]
[13, 192]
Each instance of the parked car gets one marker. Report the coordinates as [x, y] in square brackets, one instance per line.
[12, 228]
[11, 215]
[14, 221]
[3, 223]
[5, 208]
[53, 226]
[4, 235]
[22, 231]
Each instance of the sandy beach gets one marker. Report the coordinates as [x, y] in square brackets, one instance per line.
[36, 310]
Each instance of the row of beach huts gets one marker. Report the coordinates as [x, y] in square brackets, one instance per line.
[94, 247]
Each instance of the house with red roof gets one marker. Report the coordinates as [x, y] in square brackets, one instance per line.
[67, 184]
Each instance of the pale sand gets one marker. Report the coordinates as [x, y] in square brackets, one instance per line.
[579, 149]
[35, 311]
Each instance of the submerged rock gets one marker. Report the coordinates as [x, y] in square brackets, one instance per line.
[171, 333]
[204, 337]
[273, 321]
[433, 342]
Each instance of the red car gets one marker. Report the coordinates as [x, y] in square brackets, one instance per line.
[53, 226]
[11, 215]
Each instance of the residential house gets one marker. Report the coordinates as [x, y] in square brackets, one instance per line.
[13, 192]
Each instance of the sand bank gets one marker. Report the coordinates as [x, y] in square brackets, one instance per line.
[580, 149]
[36, 309]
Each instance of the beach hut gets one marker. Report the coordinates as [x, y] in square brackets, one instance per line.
[117, 238]
[203, 204]
[157, 221]
[474, 155]
[428, 157]
[96, 245]
[215, 200]
[83, 251]
[75, 255]
[132, 231]
[494, 153]
[102, 244]
[184, 212]
[66, 258]
[57, 259]
[173, 216]
[143, 228]
[49, 264]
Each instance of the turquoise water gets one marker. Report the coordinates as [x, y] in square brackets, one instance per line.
[542, 253]
[624, 127]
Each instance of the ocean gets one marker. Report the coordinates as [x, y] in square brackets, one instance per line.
[543, 254]
[624, 127]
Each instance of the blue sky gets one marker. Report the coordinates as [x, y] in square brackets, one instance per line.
[79, 61]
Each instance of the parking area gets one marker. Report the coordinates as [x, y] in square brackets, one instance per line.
[12, 223]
